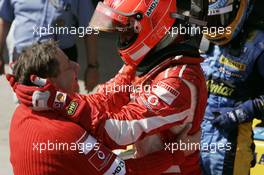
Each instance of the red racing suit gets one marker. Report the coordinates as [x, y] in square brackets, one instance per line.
[42, 142]
[170, 96]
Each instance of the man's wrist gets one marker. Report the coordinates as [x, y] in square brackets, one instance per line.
[93, 65]
[240, 115]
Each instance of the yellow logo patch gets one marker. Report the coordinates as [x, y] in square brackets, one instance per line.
[219, 88]
[233, 64]
[72, 108]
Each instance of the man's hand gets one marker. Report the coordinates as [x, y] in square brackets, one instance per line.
[91, 78]
[124, 77]
[128, 70]
[228, 121]
[45, 96]
[41, 97]
[2, 65]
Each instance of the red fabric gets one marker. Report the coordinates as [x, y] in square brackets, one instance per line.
[118, 122]
[11, 79]
[129, 124]
[29, 128]
[154, 163]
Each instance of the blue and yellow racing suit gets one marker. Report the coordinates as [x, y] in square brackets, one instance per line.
[234, 76]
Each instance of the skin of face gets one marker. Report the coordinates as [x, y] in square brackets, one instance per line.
[67, 80]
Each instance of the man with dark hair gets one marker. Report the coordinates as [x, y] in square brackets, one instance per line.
[47, 66]
[43, 142]
[47, 61]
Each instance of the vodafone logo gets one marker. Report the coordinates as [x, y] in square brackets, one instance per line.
[153, 100]
[101, 155]
[101, 158]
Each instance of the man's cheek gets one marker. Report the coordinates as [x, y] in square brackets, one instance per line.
[71, 83]
[76, 87]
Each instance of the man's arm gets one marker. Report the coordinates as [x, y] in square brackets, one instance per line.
[150, 113]
[91, 74]
[245, 111]
[94, 157]
[4, 29]
[84, 12]
[45, 92]
[160, 108]
[79, 152]
[6, 18]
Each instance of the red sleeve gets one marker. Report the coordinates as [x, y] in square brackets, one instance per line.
[49, 144]
[154, 163]
[115, 93]
[81, 153]
[171, 101]
[80, 108]
[166, 105]
[98, 159]
[151, 112]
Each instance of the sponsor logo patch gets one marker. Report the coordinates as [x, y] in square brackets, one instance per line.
[219, 88]
[153, 100]
[152, 7]
[169, 88]
[72, 108]
[232, 63]
[227, 72]
[101, 158]
[166, 93]
[119, 168]
[60, 100]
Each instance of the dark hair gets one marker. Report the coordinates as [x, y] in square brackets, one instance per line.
[38, 59]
